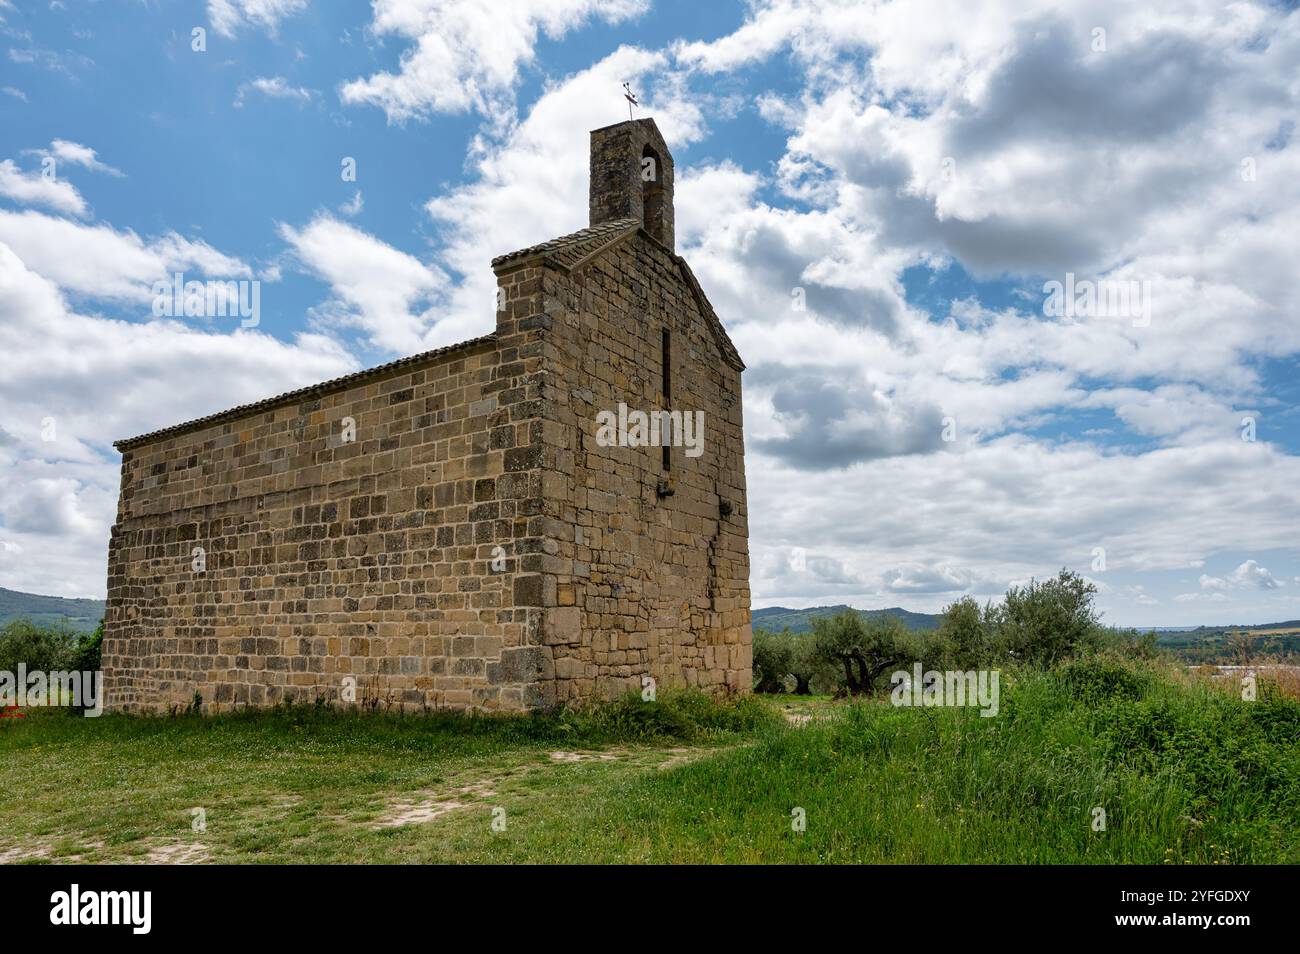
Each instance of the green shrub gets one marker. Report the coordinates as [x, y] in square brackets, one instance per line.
[786, 660]
[47, 648]
[773, 658]
[683, 714]
[964, 634]
[1231, 759]
[1100, 679]
[808, 669]
[90, 650]
[1276, 716]
[1046, 621]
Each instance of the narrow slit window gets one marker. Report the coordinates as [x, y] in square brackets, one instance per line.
[666, 348]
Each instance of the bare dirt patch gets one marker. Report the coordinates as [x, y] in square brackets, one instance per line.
[17, 853]
[426, 806]
[419, 807]
[587, 756]
[178, 853]
[14, 854]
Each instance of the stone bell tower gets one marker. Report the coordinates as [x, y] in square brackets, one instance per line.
[632, 178]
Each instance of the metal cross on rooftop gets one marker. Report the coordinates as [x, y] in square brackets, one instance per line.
[631, 100]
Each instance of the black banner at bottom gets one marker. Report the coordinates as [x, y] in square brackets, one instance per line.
[143, 905]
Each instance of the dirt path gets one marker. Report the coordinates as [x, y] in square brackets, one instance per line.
[415, 808]
[496, 784]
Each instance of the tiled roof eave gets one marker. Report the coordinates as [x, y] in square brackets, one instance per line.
[583, 243]
[722, 339]
[568, 252]
[290, 397]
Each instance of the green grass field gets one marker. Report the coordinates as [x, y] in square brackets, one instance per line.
[1185, 773]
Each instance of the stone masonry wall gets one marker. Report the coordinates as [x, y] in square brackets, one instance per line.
[474, 546]
[638, 584]
[325, 559]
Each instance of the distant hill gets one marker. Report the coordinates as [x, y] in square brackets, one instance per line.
[1191, 643]
[1202, 633]
[1216, 644]
[776, 618]
[81, 615]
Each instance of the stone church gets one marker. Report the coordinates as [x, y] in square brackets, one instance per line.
[451, 529]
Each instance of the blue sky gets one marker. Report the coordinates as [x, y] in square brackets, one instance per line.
[918, 171]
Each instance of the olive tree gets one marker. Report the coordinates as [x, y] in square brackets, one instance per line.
[863, 649]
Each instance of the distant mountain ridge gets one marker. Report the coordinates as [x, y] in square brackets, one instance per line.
[1206, 634]
[776, 618]
[82, 615]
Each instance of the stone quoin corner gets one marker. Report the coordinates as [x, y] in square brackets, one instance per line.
[445, 530]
